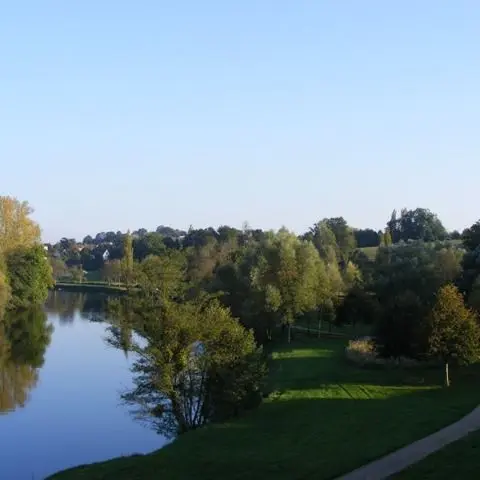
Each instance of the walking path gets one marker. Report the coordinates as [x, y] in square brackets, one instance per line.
[404, 457]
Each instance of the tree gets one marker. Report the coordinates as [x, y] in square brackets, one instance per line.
[454, 333]
[400, 329]
[59, 268]
[352, 276]
[344, 237]
[112, 271]
[196, 364]
[164, 275]
[324, 239]
[76, 273]
[291, 277]
[418, 224]
[366, 237]
[127, 261]
[148, 244]
[4, 293]
[29, 276]
[387, 238]
[17, 229]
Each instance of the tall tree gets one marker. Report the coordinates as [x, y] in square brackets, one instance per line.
[453, 330]
[127, 261]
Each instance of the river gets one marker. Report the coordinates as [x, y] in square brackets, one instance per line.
[60, 385]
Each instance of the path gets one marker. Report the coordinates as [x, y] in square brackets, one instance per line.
[404, 457]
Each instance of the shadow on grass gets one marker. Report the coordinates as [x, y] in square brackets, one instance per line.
[298, 438]
[325, 419]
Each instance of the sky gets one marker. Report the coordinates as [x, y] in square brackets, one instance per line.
[119, 115]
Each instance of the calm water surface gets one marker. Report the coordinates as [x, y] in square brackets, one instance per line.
[67, 411]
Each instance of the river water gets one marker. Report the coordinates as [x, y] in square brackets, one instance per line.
[60, 385]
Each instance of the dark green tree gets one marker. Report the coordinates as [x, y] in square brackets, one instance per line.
[29, 276]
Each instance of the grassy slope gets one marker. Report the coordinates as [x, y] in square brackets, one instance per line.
[324, 419]
[459, 461]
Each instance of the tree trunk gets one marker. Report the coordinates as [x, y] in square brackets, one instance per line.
[289, 333]
[447, 375]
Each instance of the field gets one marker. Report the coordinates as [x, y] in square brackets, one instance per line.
[324, 418]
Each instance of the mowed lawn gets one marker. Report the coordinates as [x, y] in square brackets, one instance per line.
[324, 418]
[458, 461]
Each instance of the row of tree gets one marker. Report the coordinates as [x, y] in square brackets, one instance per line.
[88, 255]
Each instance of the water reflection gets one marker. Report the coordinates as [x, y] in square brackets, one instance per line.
[68, 305]
[55, 363]
[24, 338]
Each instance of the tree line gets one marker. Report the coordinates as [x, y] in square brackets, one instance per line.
[207, 300]
[418, 296]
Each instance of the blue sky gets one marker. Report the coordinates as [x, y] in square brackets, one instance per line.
[121, 114]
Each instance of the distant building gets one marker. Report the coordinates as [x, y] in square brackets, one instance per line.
[106, 255]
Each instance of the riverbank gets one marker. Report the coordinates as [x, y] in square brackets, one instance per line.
[90, 287]
[323, 419]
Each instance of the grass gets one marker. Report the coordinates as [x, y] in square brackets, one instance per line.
[459, 461]
[370, 252]
[324, 418]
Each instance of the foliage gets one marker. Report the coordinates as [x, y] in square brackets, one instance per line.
[400, 331]
[290, 276]
[76, 273]
[454, 333]
[418, 224]
[112, 271]
[149, 244]
[29, 276]
[471, 236]
[344, 237]
[366, 237]
[4, 293]
[59, 268]
[164, 275]
[17, 229]
[358, 306]
[127, 260]
[195, 364]
[415, 267]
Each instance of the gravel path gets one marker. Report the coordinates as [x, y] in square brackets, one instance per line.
[404, 457]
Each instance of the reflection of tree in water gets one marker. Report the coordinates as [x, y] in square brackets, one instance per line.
[89, 306]
[24, 337]
[121, 318]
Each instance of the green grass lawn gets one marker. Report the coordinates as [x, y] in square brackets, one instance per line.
[324, 418]
[459, 461]
[370, 252]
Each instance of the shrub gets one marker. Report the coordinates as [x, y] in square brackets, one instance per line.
[363, 352]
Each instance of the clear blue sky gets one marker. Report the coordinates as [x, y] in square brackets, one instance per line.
[122, 114]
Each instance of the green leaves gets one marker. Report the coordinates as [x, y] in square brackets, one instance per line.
[196, 362]
[453, 328]
[29, 276]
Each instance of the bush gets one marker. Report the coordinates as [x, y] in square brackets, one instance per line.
[363, 352]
